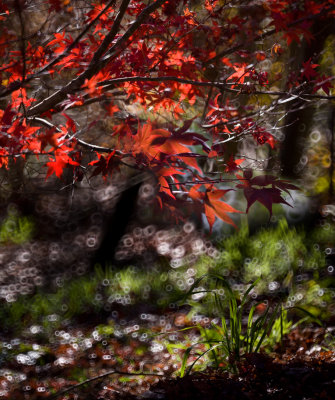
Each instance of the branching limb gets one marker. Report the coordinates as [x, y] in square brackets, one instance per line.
[73, 86]
[110, 84]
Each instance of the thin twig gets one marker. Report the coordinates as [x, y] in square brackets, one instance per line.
[110, 84]
[71, 388]
[89, 146]
[22, 40]
[210, 181]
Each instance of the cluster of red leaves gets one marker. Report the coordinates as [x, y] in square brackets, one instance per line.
[166, 56]
[16, 136]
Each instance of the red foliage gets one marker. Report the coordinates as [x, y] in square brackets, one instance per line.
[165, 56]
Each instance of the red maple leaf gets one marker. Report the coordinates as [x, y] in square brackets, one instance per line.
[56, 166]
[233, 165]
[255, 189]
[241, 72]
[104, 165]
[323, 83]
[308, 69]
[214, 207]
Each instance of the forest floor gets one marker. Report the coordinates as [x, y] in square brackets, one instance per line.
[140, 359]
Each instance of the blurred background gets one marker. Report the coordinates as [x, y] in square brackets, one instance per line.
[88, 271]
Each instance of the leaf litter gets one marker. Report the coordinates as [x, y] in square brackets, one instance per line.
[105, 362]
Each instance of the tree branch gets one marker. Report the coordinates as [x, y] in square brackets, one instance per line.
[133, 28]
[332, 156]
[109, 84]
[16, 85]
[232, 49]
[76, 41]
[95, 66]
[92, 147]
[77, 82]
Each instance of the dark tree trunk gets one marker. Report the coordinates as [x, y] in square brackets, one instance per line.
[297, 122]
[117, 224]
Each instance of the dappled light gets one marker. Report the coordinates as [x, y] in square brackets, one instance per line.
[167, 199]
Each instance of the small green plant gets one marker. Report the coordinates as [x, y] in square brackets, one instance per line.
[281, 326]
[226, 344]
[16, 229]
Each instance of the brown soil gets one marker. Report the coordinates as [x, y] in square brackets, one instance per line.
[260, 377]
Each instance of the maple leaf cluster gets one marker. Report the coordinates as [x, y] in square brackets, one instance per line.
[177, 81]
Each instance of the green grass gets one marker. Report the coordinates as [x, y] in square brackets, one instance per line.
[290, 261]
[227, 343]
[244, 328]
